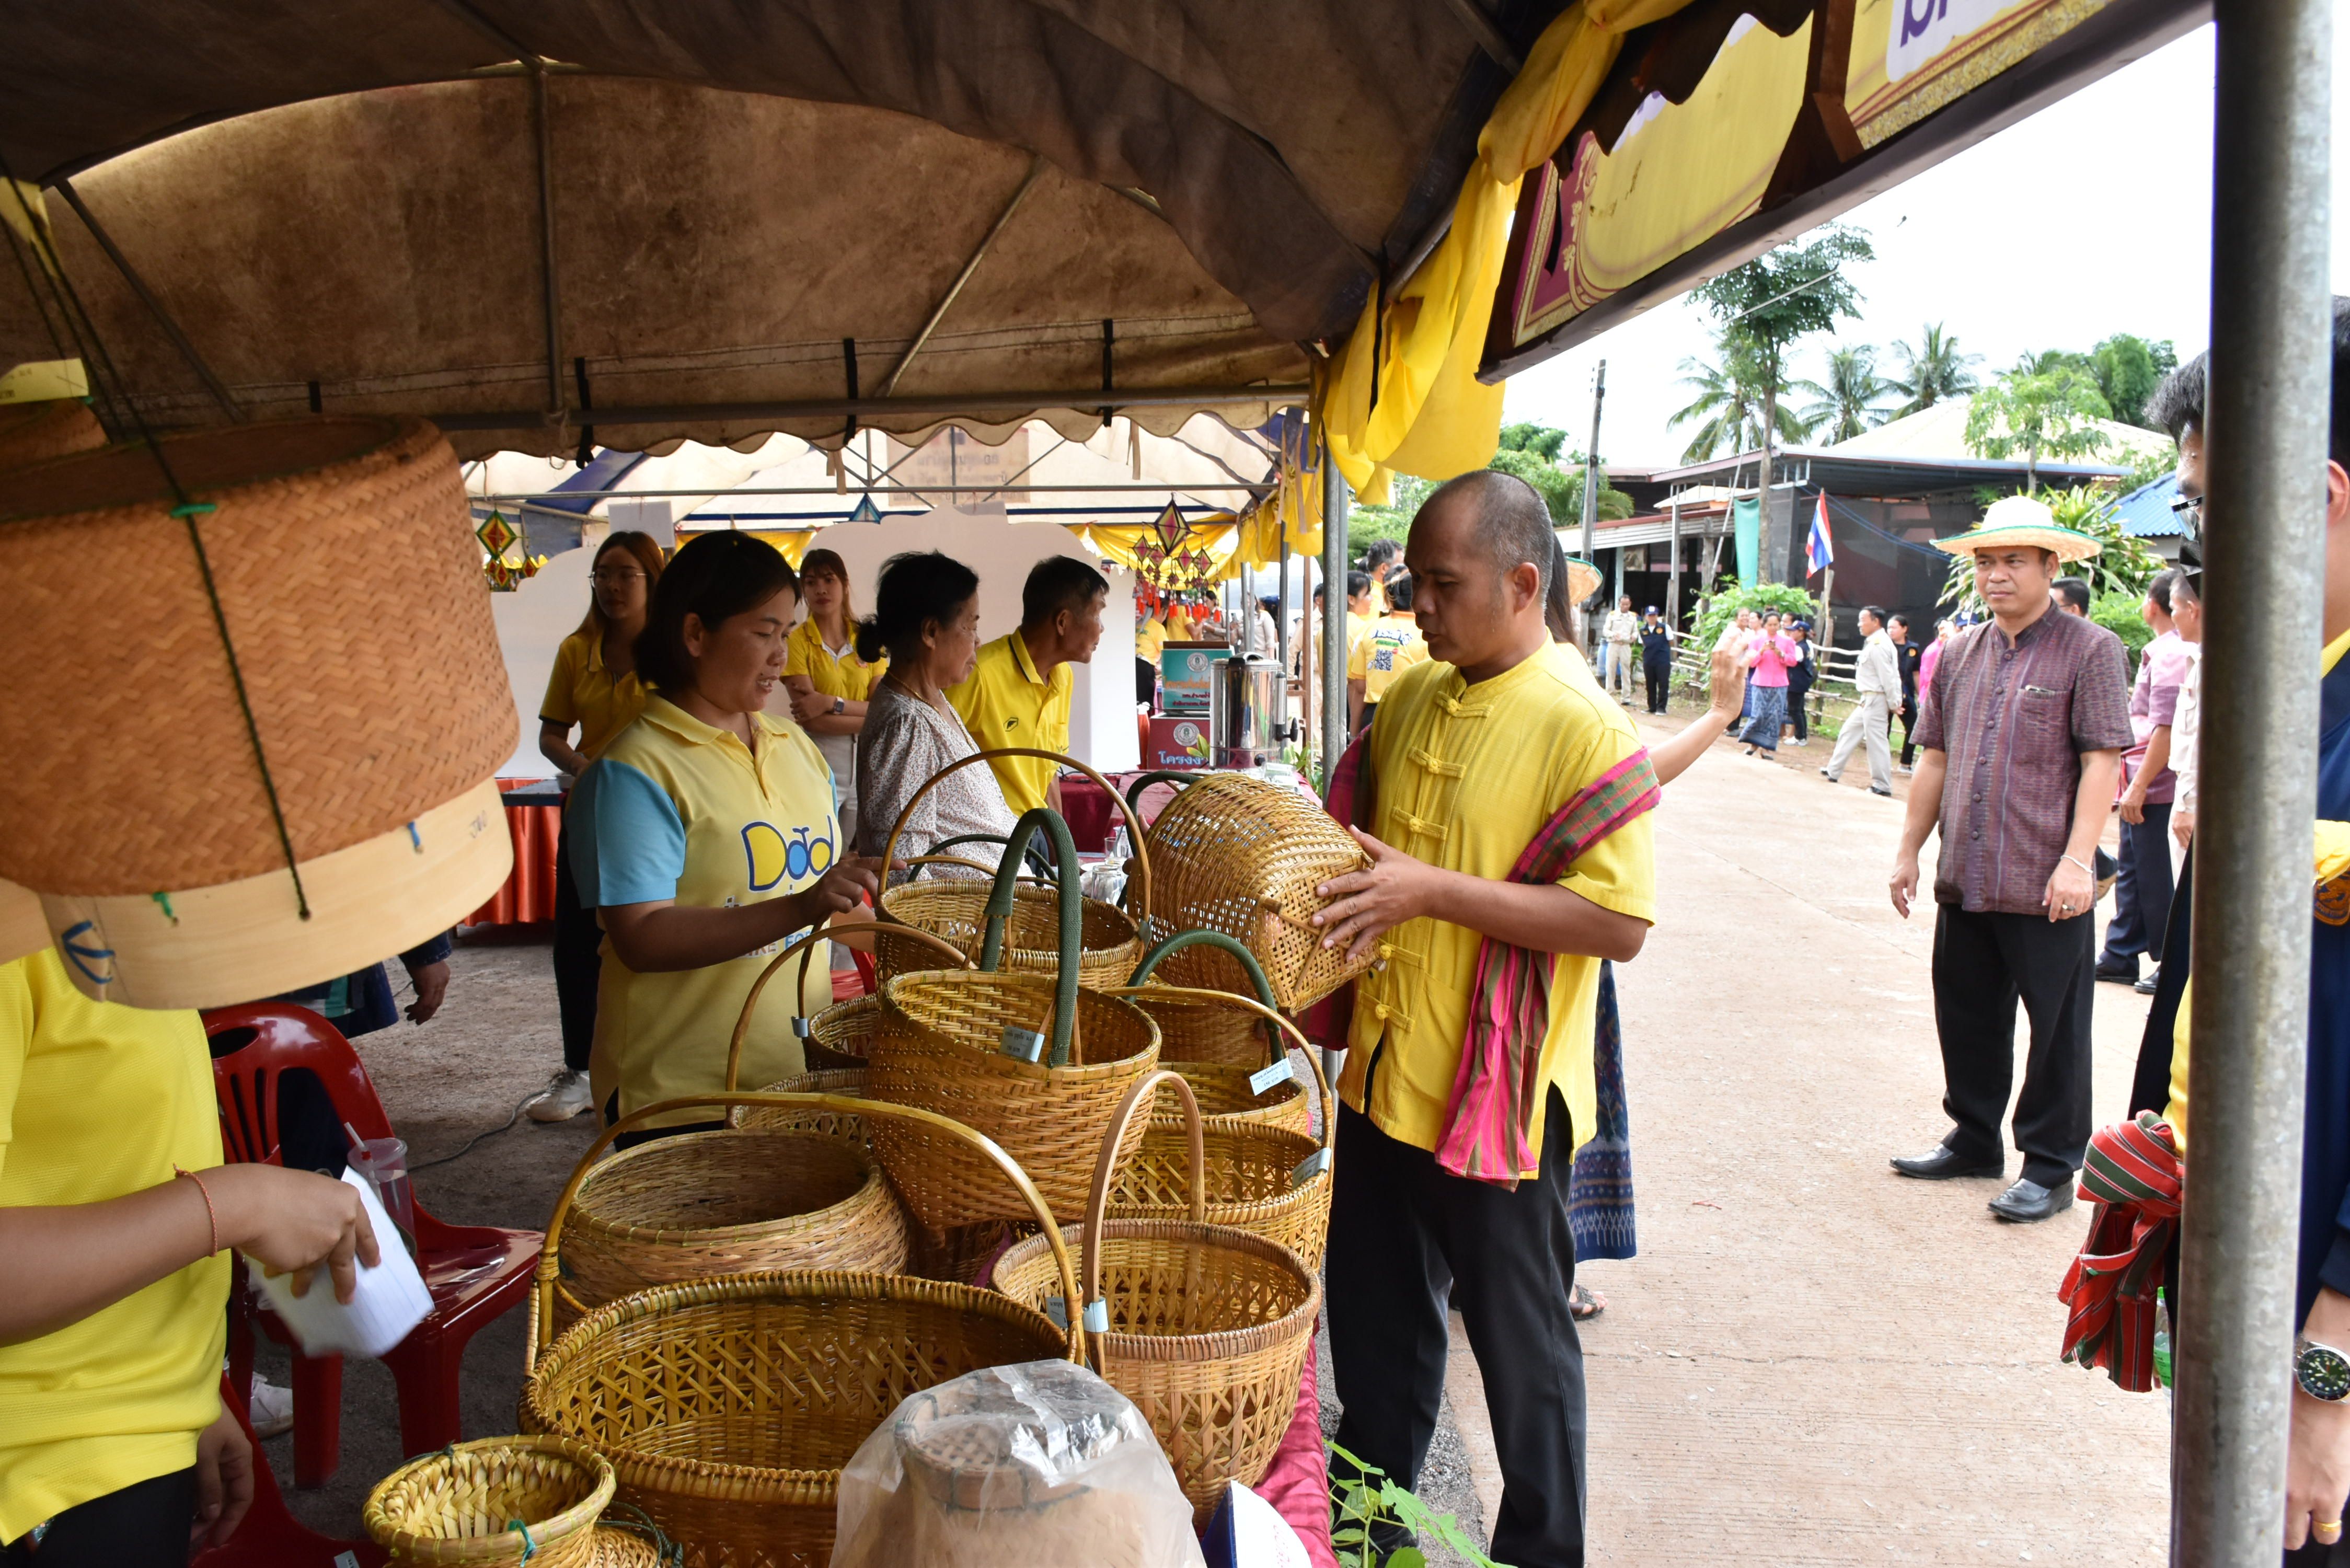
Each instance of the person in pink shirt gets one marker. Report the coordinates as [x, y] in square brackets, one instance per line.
[1768, 655]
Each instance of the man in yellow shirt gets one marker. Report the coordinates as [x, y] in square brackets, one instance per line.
[1387, 647]
[1018, 691]
[1476, 754]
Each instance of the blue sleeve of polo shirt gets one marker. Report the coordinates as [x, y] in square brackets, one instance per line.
[634, 850]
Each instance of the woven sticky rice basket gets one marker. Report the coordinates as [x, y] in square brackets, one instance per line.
[729, 1202]
[1239, 855]
[942, 1052]
[36, 433]
[956, 910]
[1208, 1327]
[502, 1500]
[343, 567]
[728, 1406]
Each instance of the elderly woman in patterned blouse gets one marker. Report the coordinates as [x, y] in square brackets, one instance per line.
[926, 620]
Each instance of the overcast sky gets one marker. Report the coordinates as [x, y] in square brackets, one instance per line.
[2092, 217]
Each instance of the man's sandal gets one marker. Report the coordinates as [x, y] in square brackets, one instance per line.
[1584, 1305]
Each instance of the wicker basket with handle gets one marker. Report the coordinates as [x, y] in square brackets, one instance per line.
[1205, 1327]
[359, 747]
[1261, 1175]
[846, 1083]
[501, 1500]
[1192, 1026]
[1237, 854]
[956, 910]
[844, 1029]
[728, 1406]
[943, 1047]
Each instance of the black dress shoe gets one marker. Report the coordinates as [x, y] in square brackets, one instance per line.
[2027, 1201]
[1873, 790]
[2149, 982]
[2120, 974]
[1942, 1164]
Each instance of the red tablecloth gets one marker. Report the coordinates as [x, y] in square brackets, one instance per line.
[529, 895]
[1298, 1484]
[1091, 813]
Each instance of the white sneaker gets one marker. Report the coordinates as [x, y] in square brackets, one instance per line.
[567, 1095]
[271, 1408]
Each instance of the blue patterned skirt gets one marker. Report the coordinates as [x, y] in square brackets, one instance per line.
[1599, 1188]
[1769, 708]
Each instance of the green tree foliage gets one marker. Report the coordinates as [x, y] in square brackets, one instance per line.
[1849, 401]
[1536, 453]
[1786, 598]
[2047, 407]
[2128, 369]
[1931, 371]
[2123, 615]
[1543, 440]
[1769, 304]
[1729, 404]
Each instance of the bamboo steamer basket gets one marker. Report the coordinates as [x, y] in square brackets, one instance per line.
[1239, 855]
[956, 910]
[727, 1202]
[728, 1406]
[161, 867]
[36, 433]
[1261, 1176]
[504, 1500]
[1205, 1327]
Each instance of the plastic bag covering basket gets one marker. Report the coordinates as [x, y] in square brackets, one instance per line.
[348, 581]
[460, 1505]
[36, 433]
[1239, 855]
[1209, 1325]
[705, 1204]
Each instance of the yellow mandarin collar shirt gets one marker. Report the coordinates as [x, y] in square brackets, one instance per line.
[1465, 778]
[1006, 704]
[581, 691]
[843, 675]
[2332, 861]
[679, 810]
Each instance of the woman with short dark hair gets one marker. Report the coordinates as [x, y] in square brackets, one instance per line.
[714, 840]
[926, 621]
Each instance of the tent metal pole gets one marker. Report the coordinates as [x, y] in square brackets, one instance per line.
[1335, 498]
[2271, 373]
[946, 301]
[550, 282]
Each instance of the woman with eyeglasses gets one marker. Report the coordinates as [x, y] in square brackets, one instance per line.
[594, 689]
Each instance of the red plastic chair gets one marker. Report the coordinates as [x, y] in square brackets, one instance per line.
[475, 1273]
[270, 1536]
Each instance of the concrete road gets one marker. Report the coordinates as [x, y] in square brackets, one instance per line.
[1813, 1360]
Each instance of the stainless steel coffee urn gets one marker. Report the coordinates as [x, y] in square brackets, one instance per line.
[1243, 697]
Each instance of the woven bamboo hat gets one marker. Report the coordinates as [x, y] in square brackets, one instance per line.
[2022, 520]
[1582, 579]
[258, 703]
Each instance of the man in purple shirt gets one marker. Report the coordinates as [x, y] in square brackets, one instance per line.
[2142, 894]
[2021, 750]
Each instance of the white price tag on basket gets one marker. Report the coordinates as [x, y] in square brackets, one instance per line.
[1312, 1165]
[1024, 1045]
[1280, 1072]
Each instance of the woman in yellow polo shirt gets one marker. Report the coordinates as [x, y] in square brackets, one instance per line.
[115, 1215]
[708, 839]
[829, 684]
[594, 687]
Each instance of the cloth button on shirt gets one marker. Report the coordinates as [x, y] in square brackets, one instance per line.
[682, 811]
[1006, 704]
[2058, 693]
[1466, 776]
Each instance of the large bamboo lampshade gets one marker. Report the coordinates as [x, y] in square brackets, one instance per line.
[195, 844]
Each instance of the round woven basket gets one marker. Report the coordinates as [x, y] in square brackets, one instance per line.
[957, 911]
[462, 1505]
[1226, 1099]
[945, 1053]
[847, 1082]
[1260, 1176]
[858, 1027]
[342, 565]
[728, 1201]
[1202, 1025]
[1207, 1326]
[36, 433]
[842, 1034]
[1239, 855]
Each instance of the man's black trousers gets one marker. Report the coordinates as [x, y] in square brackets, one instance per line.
[2142, 890]
[1983, 964]
[1404, 1236]
[1660, 681]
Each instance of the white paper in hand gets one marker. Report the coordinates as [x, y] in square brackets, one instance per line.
[391, 1300]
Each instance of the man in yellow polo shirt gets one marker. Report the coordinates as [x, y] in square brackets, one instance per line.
[1018, 691]
[1473, 755]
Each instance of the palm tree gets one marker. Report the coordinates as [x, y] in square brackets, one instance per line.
[1933, 370]
[1727, 407]
[1850, 402]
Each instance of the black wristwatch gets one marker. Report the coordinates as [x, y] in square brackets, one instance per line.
[2321, 1371]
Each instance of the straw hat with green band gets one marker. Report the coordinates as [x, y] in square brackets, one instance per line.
[1582, 579]
[2020, 520]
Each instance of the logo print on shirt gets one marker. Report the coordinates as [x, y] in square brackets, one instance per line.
[772, 857]
[1012, 723]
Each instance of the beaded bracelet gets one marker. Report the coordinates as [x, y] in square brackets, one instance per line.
[211, 1214]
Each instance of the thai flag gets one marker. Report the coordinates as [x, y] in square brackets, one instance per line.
[1819, 551]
